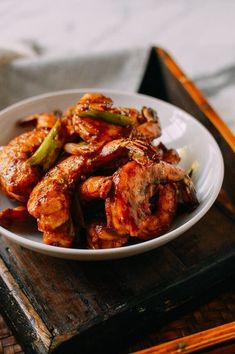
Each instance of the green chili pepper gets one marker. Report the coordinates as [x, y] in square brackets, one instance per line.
[109, 117]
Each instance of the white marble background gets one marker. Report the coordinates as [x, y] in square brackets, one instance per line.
[199, 33]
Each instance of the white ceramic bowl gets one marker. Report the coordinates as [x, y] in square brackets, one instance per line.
[180, 130]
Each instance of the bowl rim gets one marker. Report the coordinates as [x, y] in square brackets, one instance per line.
[130, 249]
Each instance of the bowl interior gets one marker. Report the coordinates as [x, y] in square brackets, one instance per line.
[195, 144]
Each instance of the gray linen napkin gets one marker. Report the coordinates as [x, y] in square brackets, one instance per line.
[26, 77]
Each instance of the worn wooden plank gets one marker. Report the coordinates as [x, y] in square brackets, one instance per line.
[13, 300]
[73, 298]
[78, 301]
[91, 289]
[207, 240]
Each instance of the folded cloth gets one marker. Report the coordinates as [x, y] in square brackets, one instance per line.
[26, 77]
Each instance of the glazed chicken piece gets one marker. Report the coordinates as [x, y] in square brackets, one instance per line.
[17, 177]
[142, 125]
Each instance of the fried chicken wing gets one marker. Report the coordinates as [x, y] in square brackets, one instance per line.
[17, 177]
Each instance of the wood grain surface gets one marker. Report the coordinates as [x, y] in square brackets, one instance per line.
[195, 342]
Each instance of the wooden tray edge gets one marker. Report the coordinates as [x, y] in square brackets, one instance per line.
[198, 97]
[41, 337]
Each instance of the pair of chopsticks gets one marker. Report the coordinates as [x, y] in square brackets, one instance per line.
[195, 342]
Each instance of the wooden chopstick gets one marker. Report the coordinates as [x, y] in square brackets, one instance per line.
[195, 342]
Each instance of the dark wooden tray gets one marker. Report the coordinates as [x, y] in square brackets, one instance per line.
[69, 307]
